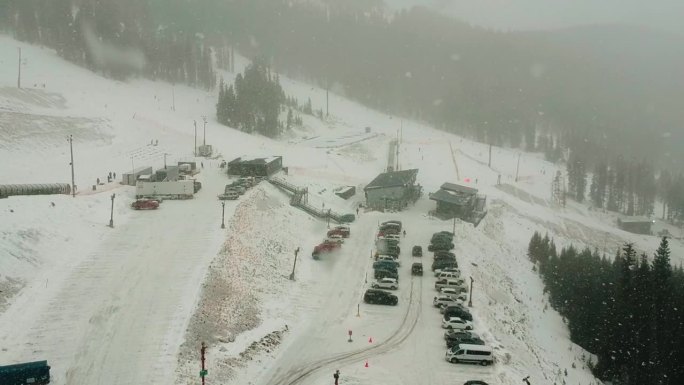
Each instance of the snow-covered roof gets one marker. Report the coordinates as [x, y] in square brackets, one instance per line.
[393, 179]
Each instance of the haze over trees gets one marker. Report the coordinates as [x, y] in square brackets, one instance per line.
[603, 99]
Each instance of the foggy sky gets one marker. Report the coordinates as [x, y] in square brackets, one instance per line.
[551, 14]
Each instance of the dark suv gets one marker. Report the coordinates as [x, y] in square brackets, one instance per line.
[380, 297]
[385, 273]
[417, 251]
[442, 263]
[456, 340]
[457, 311]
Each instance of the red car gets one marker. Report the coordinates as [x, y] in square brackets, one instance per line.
[145, 204]
[325, 247]
[344, 233]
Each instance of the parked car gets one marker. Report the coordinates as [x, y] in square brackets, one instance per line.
[454, 293]
[375, 296]
[338, 232]
[417, 251]
[449, 274]
[385, 273]
[386, 265]
[447, 270]
[343, 229]
[443, 300]
[470, 353]
[390, 259]
[475, 382]
[439, 246]
[386, 283]
[334, 239]
[230, 195]
[442, 235]
[451, 333]
[448, 282]
[391, 236]
[145, 204]
[417, 268]
[443, 263]
[456, 310]
[444, 254]
[475, 340]
[456, 323]
[392, 222]
[325, 247]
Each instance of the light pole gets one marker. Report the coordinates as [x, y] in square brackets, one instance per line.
[292, 275]
[204, 137]
[194, 151]
[223, 215]
[470, 300]
[453, 231]
[19, 74]
[111, 215]
[517, 168]
[71, 150]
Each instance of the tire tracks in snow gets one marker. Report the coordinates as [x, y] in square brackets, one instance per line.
[407, 326]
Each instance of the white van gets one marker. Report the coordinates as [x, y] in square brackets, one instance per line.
[478, 354]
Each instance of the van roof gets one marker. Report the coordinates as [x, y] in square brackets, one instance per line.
[481, 348]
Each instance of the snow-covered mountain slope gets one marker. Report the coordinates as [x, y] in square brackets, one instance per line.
[131, 304]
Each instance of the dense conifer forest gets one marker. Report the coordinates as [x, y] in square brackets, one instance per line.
[627, 310]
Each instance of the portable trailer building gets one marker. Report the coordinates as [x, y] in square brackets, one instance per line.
[635, 224]
[7, 190]
[262, 167]
[129, 178]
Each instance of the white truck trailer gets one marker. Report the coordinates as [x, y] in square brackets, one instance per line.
[181, 189]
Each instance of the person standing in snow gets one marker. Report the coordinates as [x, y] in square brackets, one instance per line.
[404, 233]
[336, 376]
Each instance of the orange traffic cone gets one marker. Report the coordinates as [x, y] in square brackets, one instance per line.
[366, 364]
[370, 340]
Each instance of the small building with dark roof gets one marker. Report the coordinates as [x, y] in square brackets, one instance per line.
[635, 224]
[454, 200]
[261, 167]
[392, 190]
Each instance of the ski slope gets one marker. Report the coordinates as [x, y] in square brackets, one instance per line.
[131, 304]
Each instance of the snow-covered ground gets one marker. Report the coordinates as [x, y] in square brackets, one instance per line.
[132, 304]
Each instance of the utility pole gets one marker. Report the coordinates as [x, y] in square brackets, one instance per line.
[165, 154]
[19, 74]
[489, 164]
[203, 371]
[111, 215]
[292, 275]
[517, 168]
[470, 300]
[223, 215]
[327, 89]
[71, 150]
[453, 231]
[173, 97]
[205, 130]
[195, 149]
